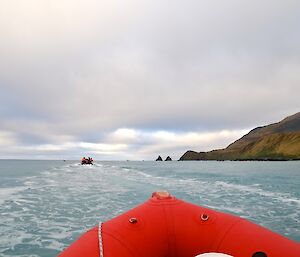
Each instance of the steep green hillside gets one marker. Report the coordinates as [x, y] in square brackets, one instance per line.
[278, 141]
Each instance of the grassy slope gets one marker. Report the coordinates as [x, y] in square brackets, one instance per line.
[279, 145]
[276, 141]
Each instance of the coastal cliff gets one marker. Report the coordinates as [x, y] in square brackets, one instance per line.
[278, 141]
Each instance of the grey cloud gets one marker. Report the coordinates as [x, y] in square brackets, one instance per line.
[79, 71]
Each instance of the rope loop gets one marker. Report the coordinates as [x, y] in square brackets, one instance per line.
[100, 239]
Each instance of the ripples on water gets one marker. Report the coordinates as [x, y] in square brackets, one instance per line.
[46, 205]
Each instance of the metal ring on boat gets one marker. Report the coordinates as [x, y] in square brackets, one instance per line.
[133, 220]
[204, 216]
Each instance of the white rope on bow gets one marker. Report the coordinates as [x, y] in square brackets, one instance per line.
[100, 239]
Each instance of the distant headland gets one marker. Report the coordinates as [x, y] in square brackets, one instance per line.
[275, 142]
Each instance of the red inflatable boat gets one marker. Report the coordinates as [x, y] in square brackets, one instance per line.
[168, 227]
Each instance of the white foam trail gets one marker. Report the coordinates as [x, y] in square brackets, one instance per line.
[62, 202]
[9, 193]
[254, 189]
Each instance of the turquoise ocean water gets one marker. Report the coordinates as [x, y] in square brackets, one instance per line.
[46, 205]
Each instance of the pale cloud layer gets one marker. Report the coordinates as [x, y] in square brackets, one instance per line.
[122, 144]
[132, 79]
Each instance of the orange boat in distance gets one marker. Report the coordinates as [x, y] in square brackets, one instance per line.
[87, 160]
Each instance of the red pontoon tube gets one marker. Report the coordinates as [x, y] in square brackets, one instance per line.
[165, 226]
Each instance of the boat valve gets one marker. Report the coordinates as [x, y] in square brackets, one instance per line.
[133, 220]
[259, 254]
[204, 217]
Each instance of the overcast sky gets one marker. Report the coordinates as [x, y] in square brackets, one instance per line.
[131, 79]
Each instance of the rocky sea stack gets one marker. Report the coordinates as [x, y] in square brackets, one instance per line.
[159, 159]
[168, 158]
[274, 142]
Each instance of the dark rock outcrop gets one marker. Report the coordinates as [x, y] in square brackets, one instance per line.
[168, 158]
[159, 158]
[278, 141]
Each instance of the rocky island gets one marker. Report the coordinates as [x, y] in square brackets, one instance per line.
[159, 159]
[278, 141]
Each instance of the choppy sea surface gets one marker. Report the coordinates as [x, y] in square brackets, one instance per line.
[46, 205]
